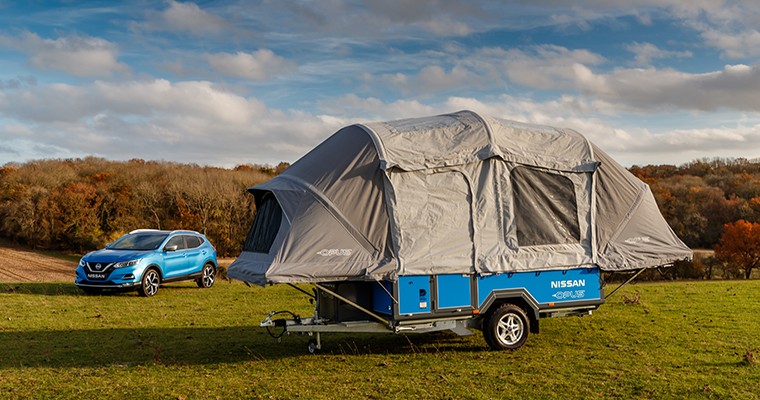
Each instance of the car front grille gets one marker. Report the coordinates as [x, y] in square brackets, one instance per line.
[99, 267]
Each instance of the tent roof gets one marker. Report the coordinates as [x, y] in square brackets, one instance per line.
[464, 137]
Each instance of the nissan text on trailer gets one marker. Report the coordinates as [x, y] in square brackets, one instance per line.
[451, 222]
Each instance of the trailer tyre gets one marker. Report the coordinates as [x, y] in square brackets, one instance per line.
[311, 346]
[506, 328]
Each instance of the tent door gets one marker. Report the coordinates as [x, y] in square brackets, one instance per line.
[434, 215]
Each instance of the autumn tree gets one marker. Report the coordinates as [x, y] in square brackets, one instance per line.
[81, 204]
[740, 246]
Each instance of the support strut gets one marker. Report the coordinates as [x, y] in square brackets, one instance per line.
[624, 283]
[353, 304]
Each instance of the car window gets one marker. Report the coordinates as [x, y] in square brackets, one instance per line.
[138, 241]
[193, 241]
[176, 241]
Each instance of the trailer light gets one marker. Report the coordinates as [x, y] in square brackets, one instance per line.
[551, 304]
[475, 311]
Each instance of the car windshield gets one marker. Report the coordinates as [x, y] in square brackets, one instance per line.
[140, 241]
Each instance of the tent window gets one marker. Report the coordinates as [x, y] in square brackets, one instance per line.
[266, 224]
[546, 211]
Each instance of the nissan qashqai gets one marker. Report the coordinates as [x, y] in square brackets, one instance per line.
[146, 258]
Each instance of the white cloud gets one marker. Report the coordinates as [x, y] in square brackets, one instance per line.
[645, 53]
[631, 89]
[628, 141]
[259, 65]
[735, 87]
[433, 79]
[352, 108]
[734, 45]
[545, 66]
[192, 121]
[76, 55]
[187, 18]
[541, 67]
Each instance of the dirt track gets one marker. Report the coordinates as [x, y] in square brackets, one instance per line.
[17, 265]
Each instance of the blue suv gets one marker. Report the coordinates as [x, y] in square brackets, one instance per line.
[146, 258]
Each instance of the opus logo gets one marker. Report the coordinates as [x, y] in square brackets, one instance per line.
[335, 252]
[638, 239]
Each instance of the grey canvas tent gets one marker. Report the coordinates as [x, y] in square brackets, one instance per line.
[460, 193]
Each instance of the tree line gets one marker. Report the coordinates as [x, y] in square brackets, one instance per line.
[81, 204]
[711, 204]
[699, 197]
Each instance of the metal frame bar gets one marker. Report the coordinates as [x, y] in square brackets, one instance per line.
[386, 291]
[351, 303]
[302, 291]
[624, 283]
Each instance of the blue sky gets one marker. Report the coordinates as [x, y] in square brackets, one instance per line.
[227, 83]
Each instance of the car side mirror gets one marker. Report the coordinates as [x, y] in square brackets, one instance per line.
[171, 248]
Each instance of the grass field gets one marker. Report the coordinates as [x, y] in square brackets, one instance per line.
[682, 340]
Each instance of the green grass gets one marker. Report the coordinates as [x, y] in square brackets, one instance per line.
[683, 340]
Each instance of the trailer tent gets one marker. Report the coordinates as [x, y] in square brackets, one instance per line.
[460, 193]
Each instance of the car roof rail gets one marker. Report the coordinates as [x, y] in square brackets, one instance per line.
[144, 230]
[185, 231]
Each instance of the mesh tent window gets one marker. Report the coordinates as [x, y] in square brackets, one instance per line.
[546, 211]
[265, 226]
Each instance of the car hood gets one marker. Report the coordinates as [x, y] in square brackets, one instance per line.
[109, 256]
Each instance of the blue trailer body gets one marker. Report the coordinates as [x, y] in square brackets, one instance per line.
[453, 291]
[415, 292]
[547, 287]
[425, 295]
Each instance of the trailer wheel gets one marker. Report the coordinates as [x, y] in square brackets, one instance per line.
[311, 346]
[507, 328]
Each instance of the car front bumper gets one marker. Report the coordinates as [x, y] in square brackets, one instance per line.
[106, 284]
[115, 279]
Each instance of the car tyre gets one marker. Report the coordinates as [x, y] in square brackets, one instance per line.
[208, 276]
[149, 283]
[506, 328]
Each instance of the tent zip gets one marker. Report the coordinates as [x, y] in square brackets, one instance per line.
[351, 303]
[624, 283]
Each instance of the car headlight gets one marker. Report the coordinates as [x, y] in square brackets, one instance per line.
[123, 264]
[82, 262]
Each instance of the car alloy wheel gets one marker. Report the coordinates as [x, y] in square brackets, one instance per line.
[150, 283]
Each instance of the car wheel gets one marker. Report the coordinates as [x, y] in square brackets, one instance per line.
[506, 328]
[208, 275]
[149, 283]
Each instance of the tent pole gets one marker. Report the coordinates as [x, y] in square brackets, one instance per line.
[301, 290]
[386, 291]
[360, 308]
[624, 283]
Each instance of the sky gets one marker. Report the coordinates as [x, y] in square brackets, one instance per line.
[225, 83]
